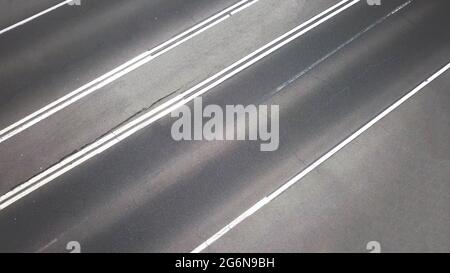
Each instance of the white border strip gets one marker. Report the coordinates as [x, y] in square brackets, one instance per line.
[34, 16]
[119, 72]
[133, 126]
[317, 163]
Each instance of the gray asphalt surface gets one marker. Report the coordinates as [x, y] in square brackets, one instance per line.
[47, 142]
[14, 11]
[61, 51]
[390, 186]
[153, 194]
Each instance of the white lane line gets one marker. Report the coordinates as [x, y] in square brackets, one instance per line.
[153, 115]
[34, 16]
[243, 7]
[317, 163]
[119, 71]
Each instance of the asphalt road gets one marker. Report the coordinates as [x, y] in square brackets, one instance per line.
[61, 51]
[81, 123]
[14, 11]
[389, 186]
[150, 193]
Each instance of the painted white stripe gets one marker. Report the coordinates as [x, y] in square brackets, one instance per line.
[118, 72]
[34, 17]
[243, 7]
[266, 200]
[153, 115]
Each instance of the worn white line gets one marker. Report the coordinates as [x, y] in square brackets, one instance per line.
[317, 163]
[34, 16]
[118, 72]
[141, 122]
